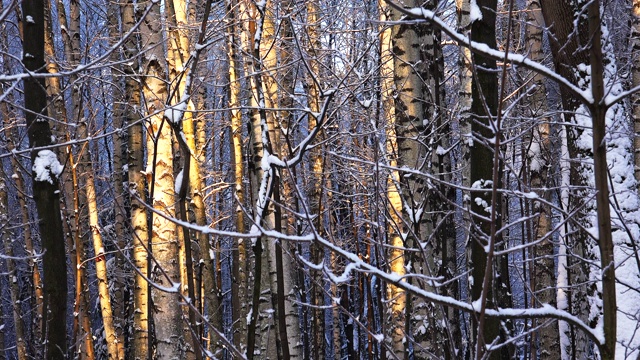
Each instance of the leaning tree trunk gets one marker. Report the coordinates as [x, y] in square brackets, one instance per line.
[115, 341]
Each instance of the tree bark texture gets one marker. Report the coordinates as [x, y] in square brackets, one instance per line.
[45, 187]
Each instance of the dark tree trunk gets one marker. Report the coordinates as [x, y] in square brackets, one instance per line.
[484, 108]
[45, 188]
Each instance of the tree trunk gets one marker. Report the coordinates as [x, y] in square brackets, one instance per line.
[417, 102]
[22, 332]
[482, 166]
[167, 314]
[115, 342]
[45, 186]
[136, 187]
[318, 344]
[12, 272]
[396, 296]
[240, 285]
[598, 112]
[121, 199]
[538, 145]
[569, 50]
[265, 338]
[279, 86]
[179, 48]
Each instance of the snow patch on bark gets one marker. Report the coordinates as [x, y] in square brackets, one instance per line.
[46, 164]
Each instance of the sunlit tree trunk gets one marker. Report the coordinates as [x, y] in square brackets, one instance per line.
[45, 186]
[87, 195]
[82, 320]
[115, 342]
[396, 297]
[167, 314]
[179, 48]
[417, 97]
[74, 192]
[136, 186]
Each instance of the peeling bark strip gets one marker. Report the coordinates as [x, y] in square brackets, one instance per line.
[45, 187]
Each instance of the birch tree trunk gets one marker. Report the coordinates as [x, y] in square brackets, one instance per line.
[396, 296]
[115, 342]
[278, 90]
[167, 314]
[179, 52]
[140, 344]
[417, 98]
[263, 342]
[72, 192]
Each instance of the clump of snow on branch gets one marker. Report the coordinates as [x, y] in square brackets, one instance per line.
[175, 113]
[46, 164]
[178, 182]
